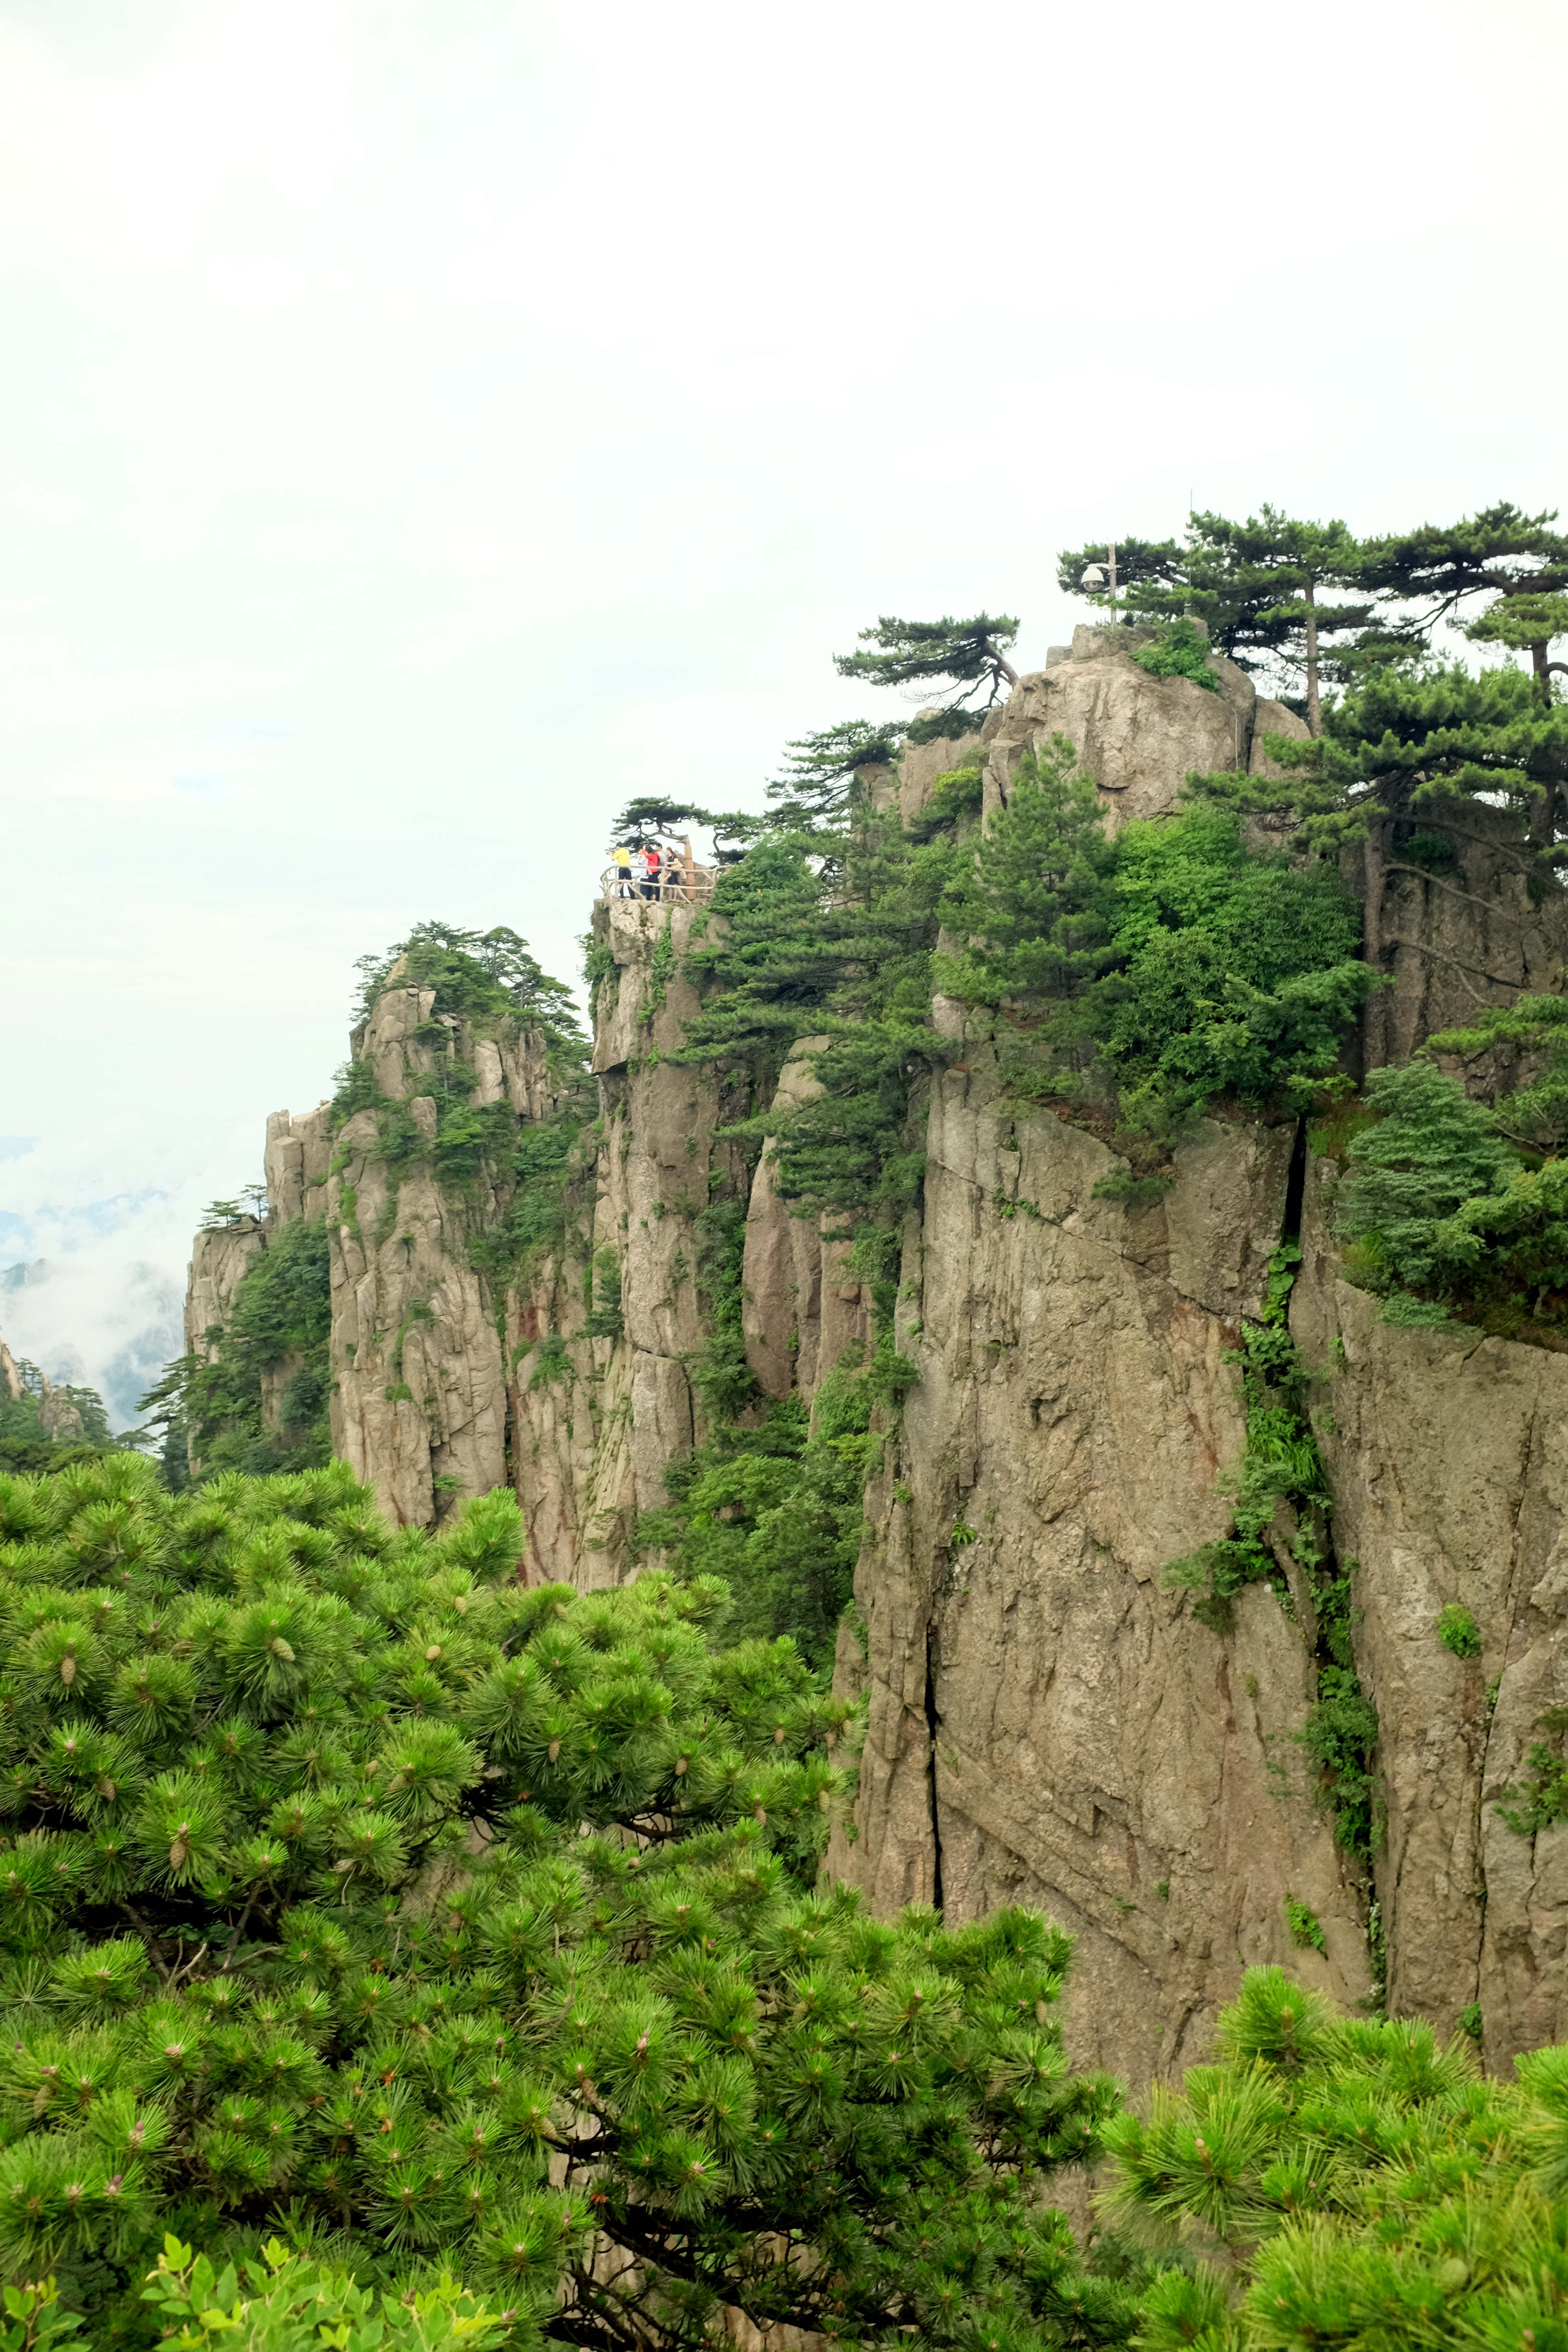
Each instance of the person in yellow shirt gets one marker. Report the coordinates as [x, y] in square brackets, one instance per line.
[621, 859]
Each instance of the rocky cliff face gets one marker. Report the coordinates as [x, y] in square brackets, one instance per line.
[1045, 1720]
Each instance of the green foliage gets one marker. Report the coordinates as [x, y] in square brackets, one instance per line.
[1281, 1498]
[821, 773]
[1238, 974]
[1457, 1630]
[1340, 1736]
[1541, 1799]
[1347, 2182]
[1034, 906]
[956, 797]
[598, 966]
[720, 1374]
[1179, 651]
[1535, 1116]
[649, 817]
[282, 1310]
[1279, 1463]
[661, 972]
[1431, 1150]
[1161, 972]
[28, 1422]
[830, 937]
[478, 977]
[776, 1511]
[354, 1895]
[34, 2317]
[965, 656]
[544, 1163]
[1435, 1201]
[289, 2302]
[1306, 1930]
[1258, 588]
[604, 1319]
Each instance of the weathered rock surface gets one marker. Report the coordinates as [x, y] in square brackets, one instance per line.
[1046, 1722]
[418, 1388]
[220, 1259]
[294, 1163]
[1448, 1460]
[803, 1309]
[1139, 737]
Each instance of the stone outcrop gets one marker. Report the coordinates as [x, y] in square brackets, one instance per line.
[1448, 1461]
[803, 1309]
[59, 1416]
[220, 1259]
[417, 1393]
[295, 1163]
[1047, 1720]
[1139, 737]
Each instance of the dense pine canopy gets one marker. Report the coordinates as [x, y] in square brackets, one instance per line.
[355, 1893]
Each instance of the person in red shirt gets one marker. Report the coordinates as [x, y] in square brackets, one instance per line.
[651, 886]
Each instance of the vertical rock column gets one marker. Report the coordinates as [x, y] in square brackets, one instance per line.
[418, 1396]
[657, 1171]
[1447, 1456]
[1047, 1723]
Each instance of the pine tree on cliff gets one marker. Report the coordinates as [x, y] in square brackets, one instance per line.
[967, 657]
[1520, 564]
[1258, 584]
[818, 779]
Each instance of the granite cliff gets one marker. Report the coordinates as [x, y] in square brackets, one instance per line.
[1045, 1719]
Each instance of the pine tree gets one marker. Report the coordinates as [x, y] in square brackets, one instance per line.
[1347, 2181]
[1520, 564]
[353, 1894]
[821, 772]
[965, 656]
[1258, 585]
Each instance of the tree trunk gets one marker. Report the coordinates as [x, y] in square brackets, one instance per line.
[1374, 1024]
[1543, 814]
[1314, 707]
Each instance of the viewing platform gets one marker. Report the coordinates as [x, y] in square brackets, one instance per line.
[681, 882]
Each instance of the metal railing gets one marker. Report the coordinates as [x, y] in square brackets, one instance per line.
[676, 884]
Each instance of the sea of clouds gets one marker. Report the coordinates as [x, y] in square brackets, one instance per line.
[92, 1277]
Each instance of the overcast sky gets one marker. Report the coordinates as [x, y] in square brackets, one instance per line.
[426, 422]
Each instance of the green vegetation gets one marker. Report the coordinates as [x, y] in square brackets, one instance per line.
[1179, 651]
[1457, 1630]
[1258, 588]
[1156, 975]
[281, 1315]
[1134, 983]
[290, 2302]
[49, 1424]
[1542, 1800]
[776, 1511]
[354, 1895]
[1445, 1222]
[1280, 1522]
[1305, 1928]
[1347, 2182]
[479, 978]
[1533, 1029]
[970, 658]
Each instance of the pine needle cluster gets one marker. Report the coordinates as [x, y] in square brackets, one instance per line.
[1348, 2181]
[353, 1894]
